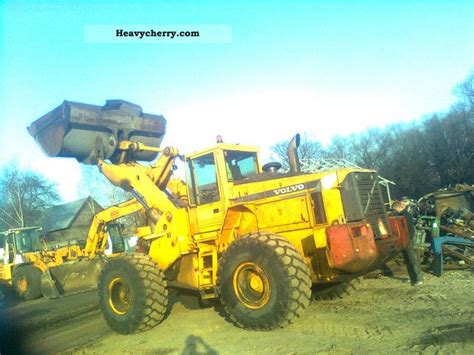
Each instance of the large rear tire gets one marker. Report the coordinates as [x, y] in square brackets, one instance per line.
[26, 280]
[132, 293]
[335, 291]
[263, 282]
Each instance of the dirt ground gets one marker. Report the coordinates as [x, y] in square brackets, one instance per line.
[386, 314]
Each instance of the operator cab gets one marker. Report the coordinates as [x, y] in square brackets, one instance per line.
[16, 242]
[210, 177]
[223, 164]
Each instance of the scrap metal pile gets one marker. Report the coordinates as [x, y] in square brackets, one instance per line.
[445, 226]
[453, 207]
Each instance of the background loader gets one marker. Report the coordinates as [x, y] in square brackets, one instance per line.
[257, 239]
[35, 269]
[17, 245]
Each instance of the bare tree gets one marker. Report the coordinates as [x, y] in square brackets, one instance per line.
[97, 186]
[341, 148]
[465, 91]
[24, 194]
[450, 140]
[419, 157]
[308, 149]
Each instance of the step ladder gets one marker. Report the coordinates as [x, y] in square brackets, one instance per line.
[207, 263]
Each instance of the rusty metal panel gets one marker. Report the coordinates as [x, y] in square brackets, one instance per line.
[88, 132]
[351, 247]
[398, 225]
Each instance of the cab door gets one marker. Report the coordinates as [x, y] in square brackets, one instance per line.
[205, 194]
[10, 249]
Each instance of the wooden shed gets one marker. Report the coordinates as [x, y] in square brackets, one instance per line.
[69, 222]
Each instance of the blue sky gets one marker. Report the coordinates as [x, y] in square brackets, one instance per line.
[322, 67]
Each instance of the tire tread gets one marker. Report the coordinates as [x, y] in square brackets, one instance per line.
[294, 268]
[155, 294]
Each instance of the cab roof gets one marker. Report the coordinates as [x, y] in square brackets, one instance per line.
[224, 146]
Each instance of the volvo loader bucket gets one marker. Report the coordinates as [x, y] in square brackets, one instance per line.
[89, 132]
[71, 277]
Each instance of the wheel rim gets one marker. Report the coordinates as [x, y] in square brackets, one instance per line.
[120, 298]
[22, 285]
[251, 285]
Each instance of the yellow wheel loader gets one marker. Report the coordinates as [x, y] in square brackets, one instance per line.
[17, 246]
[258, 239]
[26, 260]
[33, 269]
[74, 269]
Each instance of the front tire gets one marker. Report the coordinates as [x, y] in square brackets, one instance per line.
[263, 282]
[132, 293]
[26, 280]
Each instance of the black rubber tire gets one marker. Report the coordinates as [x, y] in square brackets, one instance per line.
[148, 293]
[33, 278]
[335, 291]
[288, 276]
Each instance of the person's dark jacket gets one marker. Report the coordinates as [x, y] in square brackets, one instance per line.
[410, 223]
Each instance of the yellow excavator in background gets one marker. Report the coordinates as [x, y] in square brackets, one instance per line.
[33, 269]
[257, 239]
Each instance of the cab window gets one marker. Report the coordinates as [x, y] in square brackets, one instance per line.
[240, 165]
[204, 179]
[190, 182]
[24, 244]
[115, 233]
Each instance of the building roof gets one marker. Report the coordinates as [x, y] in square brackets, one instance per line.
[63, 216]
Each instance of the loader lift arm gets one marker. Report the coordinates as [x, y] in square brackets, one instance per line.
[97, 237]
[57, 266]
[139, 182]
[149, 187]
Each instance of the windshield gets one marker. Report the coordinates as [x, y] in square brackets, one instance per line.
[116, 237]
[202, 175]
[240, 165]
[28, 241]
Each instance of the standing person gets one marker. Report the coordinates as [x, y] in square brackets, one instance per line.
[413, 265]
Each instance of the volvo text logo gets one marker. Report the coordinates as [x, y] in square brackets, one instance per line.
[288, 189]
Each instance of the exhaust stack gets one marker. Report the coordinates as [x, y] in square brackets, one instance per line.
[293, 159]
